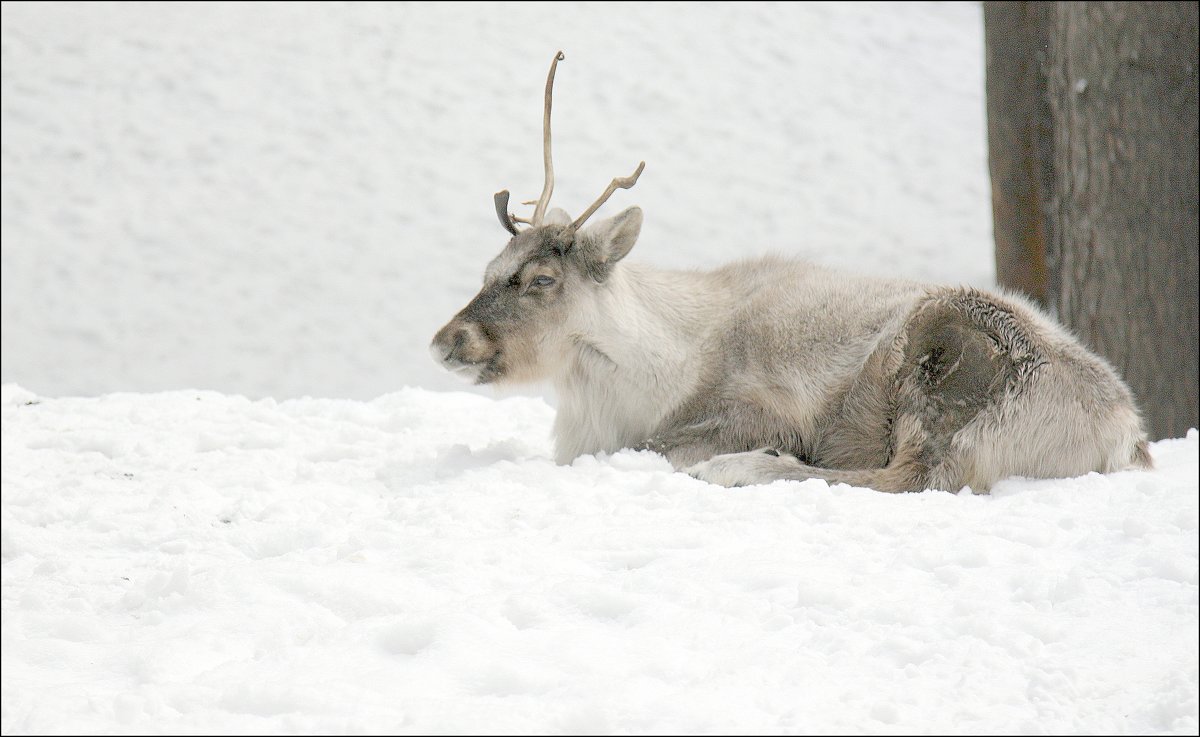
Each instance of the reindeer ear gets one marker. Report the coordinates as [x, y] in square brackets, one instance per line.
[557, 216]
[606, 242]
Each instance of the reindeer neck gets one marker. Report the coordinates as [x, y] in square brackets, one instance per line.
[632, 357]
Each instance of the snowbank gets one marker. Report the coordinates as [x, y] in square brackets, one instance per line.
[195, 562]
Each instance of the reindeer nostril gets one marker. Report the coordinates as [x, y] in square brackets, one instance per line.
[460, 339]
[454, 352]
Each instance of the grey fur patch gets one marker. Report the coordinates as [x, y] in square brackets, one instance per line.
[952, 370]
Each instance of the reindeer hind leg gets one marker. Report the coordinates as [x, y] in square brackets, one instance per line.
[952, 368]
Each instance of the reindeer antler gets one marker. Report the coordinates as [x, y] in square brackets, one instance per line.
[501, 200]
[509, 220]
[540, 211]
[617, 183]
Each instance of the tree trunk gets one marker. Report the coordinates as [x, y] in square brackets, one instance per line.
[1018, 115]
[1119, 196]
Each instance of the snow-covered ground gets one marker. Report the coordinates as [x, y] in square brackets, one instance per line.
[289, 199]
[194, 562]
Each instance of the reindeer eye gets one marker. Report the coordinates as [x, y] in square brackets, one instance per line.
[542, 282]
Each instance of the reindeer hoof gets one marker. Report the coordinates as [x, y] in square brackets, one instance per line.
[760, 466]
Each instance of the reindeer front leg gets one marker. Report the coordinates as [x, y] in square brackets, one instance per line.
[766, 465]
[760, 466]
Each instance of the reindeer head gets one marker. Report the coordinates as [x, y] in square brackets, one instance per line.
[510, 330]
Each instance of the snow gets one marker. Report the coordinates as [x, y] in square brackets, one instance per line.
[290, 199]
[192, 561]
[212, 213]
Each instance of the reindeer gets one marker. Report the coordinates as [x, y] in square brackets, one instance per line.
[780, 369]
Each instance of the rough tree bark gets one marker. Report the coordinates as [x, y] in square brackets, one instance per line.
[1114, 180]
[1018, 115]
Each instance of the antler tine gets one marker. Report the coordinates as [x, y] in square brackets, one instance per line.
[617, 183]
[501, 200]
[540, 212]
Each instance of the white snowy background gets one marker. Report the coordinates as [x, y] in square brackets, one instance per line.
[290, 199]
[214, 212]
